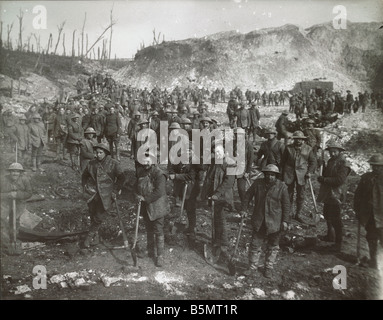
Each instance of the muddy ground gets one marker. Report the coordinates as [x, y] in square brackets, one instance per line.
[75, 273]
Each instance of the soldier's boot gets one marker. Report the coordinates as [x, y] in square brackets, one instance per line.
[58, 153]
[337, 247]
[298, 215]
[34, 164]
[64, 153]
[373, 249]
[190, 231]
[160, 244]
[92, 239]
[139, 251]
[118, 154]
[330, 236]
[112, 153]
[254, 256]
[271, 257]
[38, 162]
[150, 242]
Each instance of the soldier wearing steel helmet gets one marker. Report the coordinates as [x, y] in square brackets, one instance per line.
[75, 135]
[22, 134]
[332, 193]
[271, 215]
[37, 141]
[86, 147]
[368, 206]
[14, 187]
[108, 176]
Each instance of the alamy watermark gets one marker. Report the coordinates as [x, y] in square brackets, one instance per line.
[340, 20]
[40, 280]
[193, 147]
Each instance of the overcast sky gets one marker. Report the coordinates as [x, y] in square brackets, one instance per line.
[176, 19]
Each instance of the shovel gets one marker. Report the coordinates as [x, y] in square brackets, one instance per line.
[316, 217]
[207, 250]
[124, 236]
[177, 226]
[136, 232]
[14, 232]
[231, 265]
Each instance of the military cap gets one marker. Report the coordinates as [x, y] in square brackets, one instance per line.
[270, 130]
[142, 121]
[299, 135]
[376, 159]
[102, 146]
[285, 113]
[36, 116]
[311, 121]
[137, 114]
[75, 115]
[334, 145]
[155, 113]
[205, 119]
[185, 121]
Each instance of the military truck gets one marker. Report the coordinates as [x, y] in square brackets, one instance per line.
[317, 86]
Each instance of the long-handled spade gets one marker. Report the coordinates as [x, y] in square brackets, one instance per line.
[315, 216]
[231, 266]
[124, 236]
[136, 230]
[207, 250]
[177, 226]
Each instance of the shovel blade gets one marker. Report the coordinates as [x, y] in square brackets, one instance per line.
[232, 268]
[208, 254]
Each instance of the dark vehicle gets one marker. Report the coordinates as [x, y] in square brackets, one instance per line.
[319, 87]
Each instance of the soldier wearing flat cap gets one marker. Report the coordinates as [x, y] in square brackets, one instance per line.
[368, 206]
[298, 162]
[332, 193]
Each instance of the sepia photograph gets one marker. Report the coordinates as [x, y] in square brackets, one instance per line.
[191, 155]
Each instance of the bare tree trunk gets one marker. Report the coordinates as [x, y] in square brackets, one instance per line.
[82, 37]
[78, 46]
[29, 41]
[9, 29]
[74, 31]
[87, 46]
[111, 32]
[64, 53]
[1, 32]
[60, 29]
[99, 38]
[49, 42]
[98, 53]
[20, 17]
[103, 50]
[94, 54]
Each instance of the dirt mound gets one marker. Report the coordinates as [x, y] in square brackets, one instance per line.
[268, 59]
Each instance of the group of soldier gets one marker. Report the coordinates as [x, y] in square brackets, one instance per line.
[286, 160]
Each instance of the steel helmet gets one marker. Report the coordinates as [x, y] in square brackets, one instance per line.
[15, 166]
[90, 130]
[174, 125]
[102, 146]
[376, 159]
[271, 168]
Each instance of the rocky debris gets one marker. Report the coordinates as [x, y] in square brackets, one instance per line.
[289, 295]
[22, 289]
